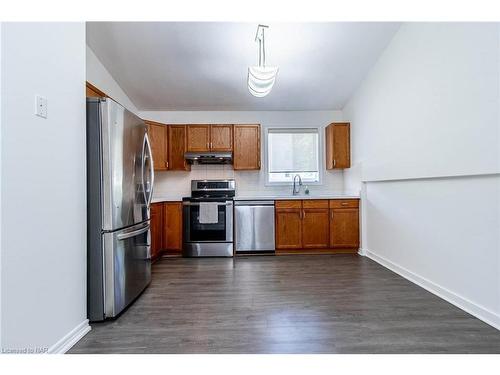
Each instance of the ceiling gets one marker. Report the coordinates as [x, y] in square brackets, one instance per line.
[203, 65]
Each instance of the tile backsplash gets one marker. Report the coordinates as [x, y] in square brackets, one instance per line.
[173, 185]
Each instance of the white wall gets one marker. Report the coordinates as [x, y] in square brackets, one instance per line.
[175, 185]
[1, 127]
[425, 133]
[43, 218]
[99, 76]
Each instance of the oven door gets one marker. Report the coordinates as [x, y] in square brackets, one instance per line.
[194, 231]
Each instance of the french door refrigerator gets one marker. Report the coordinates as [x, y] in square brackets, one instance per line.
[119, 191]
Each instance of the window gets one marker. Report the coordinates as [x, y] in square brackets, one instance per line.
[291, 152]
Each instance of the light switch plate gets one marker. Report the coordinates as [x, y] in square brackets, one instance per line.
[41, 106]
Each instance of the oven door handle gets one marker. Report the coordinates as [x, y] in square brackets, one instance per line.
[198, 203]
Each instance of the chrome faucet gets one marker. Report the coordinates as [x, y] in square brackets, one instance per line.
[296, 191]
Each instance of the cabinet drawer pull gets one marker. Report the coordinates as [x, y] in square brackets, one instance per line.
[344, 204]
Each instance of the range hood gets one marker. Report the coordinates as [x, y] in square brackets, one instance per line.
[209, 157]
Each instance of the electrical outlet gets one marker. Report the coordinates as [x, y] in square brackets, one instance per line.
[41, 106]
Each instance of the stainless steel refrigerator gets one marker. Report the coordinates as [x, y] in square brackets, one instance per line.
[119, 191]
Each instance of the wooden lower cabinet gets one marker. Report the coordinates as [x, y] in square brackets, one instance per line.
[156, 212]
[317, 225]
[166, 228]
[344, 228]
[288, 228]
[172, 216]
[315, 228]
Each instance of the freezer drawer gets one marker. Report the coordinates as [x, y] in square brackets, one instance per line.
[254, 223]
[126, 271]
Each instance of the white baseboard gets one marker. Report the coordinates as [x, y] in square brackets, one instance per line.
[463, 303]
[70, 339]
[362, 251]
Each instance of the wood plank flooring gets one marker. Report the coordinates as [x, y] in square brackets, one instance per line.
[288, 304]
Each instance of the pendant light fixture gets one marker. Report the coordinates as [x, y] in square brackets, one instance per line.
[261, 78]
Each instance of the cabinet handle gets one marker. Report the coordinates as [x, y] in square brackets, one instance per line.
[334, 162]
[303, 215]
[344, 204]
[331, 214]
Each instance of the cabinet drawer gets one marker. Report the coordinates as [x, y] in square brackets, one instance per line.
[315, 203]
[344, 203]
[288, 204]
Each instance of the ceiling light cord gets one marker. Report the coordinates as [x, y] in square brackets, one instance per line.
[263, 50]
[262, 44]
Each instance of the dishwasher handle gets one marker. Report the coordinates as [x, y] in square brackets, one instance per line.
[254, 203]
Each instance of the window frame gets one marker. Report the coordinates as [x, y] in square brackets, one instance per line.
[321, 146]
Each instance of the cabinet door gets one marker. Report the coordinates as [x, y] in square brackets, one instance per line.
[315, 228]
[198, 138]
[177, 148]
[246, 155]
[158, 137]
[221, 137]
[172, 216]
[338, 149]
[156, 229]
[288, 228]
[344, 228]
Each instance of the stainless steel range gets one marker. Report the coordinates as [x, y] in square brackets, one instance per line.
[208, 219]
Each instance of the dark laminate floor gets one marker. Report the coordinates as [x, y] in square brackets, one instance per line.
[288, 304]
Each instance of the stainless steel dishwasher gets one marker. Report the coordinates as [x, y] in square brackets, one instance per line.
[254, 223]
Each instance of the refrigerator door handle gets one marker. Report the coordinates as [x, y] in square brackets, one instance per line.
[124, 236]
[142, 169]
[151, 169]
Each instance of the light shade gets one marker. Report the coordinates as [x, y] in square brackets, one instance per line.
[261, 79]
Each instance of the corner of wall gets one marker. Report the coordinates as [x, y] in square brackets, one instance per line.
[98, 75]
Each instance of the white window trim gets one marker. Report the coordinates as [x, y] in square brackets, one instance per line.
[321, 156]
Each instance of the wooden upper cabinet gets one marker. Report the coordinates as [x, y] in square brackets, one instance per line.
[203, 138]
[177, 144]
[221, 137]
[158, 136]
[198, 138]
[338, 148]
[172, 216]
[246, 155]
[344, 228]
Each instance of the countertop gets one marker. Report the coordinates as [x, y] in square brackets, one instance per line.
[250, 196]
[295, 197]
